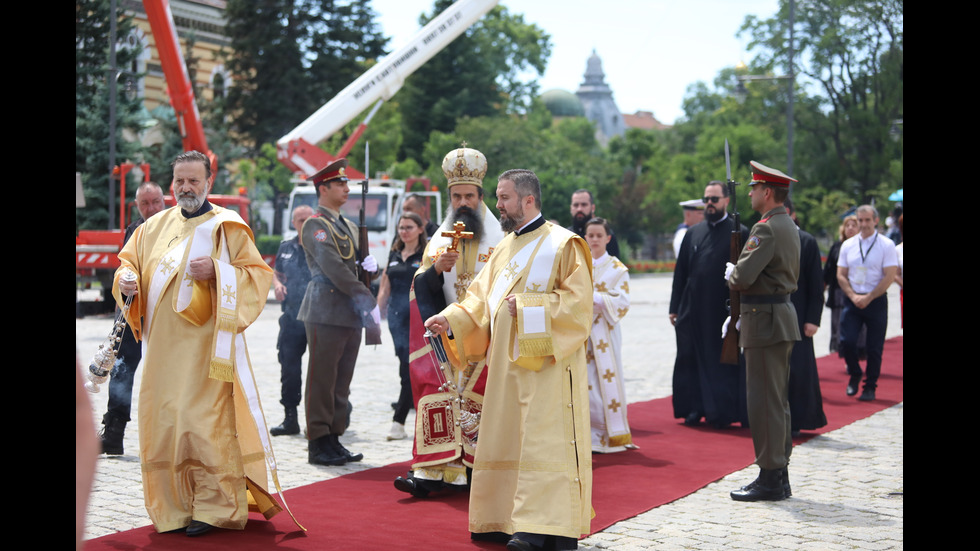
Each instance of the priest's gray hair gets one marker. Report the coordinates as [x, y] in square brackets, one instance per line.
[194, 156]
[525, 182]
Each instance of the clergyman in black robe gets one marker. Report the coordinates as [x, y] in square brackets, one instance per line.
[703, 387]
[805, 400]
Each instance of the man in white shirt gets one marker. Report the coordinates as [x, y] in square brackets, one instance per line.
[866, 267]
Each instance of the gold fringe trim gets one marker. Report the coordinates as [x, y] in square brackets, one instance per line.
[227, 322]
[454, 475]
[536, 346]
[532, 299]
[222, 370]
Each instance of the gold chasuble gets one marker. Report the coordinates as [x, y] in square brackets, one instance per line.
[533, 464]
[607, 393]
[204, 444]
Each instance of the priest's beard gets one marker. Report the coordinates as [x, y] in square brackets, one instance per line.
[190, 201]
[579, 220]
[467, 216]
[511, 221]
[714, 215]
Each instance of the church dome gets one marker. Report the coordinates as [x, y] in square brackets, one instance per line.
[563, 103]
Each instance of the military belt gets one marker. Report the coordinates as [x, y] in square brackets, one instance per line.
[764, 299]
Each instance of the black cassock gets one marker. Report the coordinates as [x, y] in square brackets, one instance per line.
[805, 400]
[702, 384]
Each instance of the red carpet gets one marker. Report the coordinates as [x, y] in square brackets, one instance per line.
[364, 511]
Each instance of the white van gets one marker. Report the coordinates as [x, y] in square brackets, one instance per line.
[382, 208]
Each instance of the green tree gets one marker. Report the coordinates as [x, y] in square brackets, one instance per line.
[161, 153]
[92, 106]
[627, 201]
[853, 51]
[267, 180]
[754, 122]
[289, 57]
[383, 134]
[564, 155]
[479, 74]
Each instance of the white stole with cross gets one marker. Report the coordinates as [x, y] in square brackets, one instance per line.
[533, 268]
[200, 243]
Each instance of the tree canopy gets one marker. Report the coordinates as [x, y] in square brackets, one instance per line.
[291, 56]
[477, 75]
[853, 50]
[92, 106]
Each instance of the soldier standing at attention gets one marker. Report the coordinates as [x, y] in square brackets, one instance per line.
[336, 306]
[766, 276]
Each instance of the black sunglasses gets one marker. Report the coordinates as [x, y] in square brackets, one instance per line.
[713, 199]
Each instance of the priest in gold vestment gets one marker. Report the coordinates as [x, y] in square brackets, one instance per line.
[199, 282]
[528, 312]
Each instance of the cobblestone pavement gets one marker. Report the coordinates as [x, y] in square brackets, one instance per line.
[847, 484]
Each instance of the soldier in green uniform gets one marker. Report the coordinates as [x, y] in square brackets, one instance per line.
[335, 308]
[766, 274]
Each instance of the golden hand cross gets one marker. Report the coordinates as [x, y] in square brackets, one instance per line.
[457, 234]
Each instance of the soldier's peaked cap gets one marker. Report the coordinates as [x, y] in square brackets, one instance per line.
[336, 170]
[762, 174]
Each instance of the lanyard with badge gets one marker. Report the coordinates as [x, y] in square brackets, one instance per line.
[862, 271]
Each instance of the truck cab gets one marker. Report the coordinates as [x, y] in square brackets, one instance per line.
[382, 209]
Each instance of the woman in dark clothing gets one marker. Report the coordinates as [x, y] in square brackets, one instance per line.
[835, 297]
[393, 291]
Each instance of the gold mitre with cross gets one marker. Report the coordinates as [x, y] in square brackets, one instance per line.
[464, 166]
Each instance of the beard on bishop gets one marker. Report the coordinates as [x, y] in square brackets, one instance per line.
[469, 217]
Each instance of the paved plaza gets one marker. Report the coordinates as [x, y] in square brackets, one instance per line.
[847, 484]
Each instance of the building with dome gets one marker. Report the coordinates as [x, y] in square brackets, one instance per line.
[597, 101]
[594, 100]
[563, 103]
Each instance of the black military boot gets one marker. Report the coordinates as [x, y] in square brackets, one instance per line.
[111, 435]
[768, 487]
[334, 441]
[786, 488]
[290, 425]
[321, 452]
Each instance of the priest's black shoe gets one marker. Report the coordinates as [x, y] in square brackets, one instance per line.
[852, 385]
[868, 395]
[517, 544]
[410, 485]
[693, 419]
[334, 441]
[768, 487]
[290, 425]
[495, 537]
[322, 453]
[198, 528]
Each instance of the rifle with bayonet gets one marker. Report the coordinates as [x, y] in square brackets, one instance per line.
[372, 330]
[729, 345]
